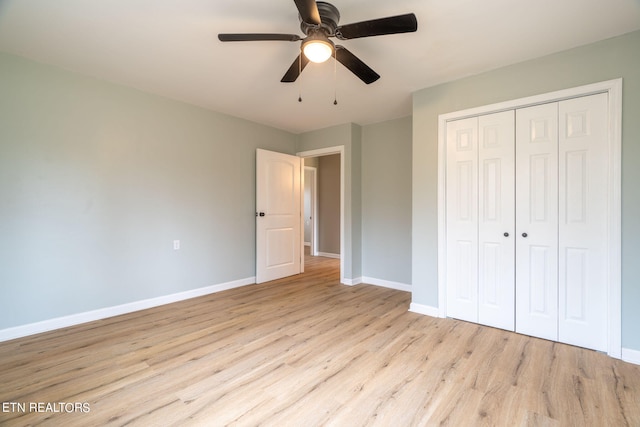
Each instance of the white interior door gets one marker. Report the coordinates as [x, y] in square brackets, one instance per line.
[278, 215]
[496, 220]
[480, 219]
[583, 261]
[462, 219]
[537, 221]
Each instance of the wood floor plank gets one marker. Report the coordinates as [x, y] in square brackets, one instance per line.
[306, 350]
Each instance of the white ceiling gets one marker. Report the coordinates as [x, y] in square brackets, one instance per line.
[170, 47]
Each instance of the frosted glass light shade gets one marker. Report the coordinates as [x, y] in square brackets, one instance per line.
[317, 50]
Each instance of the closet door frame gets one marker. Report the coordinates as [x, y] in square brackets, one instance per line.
[614, 284]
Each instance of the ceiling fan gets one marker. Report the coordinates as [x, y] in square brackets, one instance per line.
[319, 21]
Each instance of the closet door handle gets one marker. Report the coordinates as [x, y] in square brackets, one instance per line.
[524, 234]
[506, 234]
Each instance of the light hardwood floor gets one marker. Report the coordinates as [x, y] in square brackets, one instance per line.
[306, 351]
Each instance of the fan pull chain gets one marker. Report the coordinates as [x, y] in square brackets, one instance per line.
[299, 73]
[335, 76]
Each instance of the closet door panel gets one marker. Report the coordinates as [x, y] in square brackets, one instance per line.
[462, 219]
[583, 221]
[537, 221]
[496, 223]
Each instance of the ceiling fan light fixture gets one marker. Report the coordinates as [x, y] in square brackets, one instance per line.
[319, 22]
[317, 49]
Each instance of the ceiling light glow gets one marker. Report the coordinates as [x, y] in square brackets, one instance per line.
[317, 50]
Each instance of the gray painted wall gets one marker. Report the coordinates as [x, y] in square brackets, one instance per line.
[386, 200]
[609, 59]
[311, 162]
[329, 204]
[97, 180]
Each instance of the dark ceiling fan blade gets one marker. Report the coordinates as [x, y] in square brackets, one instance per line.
[355, 65]
[378, 27]
[308, 11]
[294, 71]
[258, 37]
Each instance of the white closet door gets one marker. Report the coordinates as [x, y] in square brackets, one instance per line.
[496, 218]
[583, 222]
[462, 219]
[537, 221]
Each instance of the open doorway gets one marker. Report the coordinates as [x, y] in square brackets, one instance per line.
[310, 213]
[322, 205]
[323, 217]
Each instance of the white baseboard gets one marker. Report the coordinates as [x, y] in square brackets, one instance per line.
[424, 309]
[351, 282]
[631, 356]
[103, 313]
[387, 284]
[328, 255]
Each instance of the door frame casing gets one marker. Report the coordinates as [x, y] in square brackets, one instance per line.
[614, 203]
[339, 149]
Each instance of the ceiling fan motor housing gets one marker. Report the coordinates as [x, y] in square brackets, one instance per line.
[329, 15]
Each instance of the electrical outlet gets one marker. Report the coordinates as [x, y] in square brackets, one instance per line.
[176, 245]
